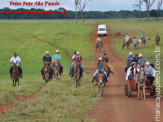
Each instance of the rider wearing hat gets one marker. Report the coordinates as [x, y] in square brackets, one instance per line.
[47, 58]
[15, 59]
[100, 66]
[57, 57]
[78, 59]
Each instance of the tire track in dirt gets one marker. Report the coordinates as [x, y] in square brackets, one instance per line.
[114, 106]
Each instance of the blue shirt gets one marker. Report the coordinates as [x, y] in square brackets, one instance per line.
[142, 36]
[150, 70]
[130, 59]
[142, 61]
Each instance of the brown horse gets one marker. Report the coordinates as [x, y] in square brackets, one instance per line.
[77, 73]
[15, 74]
[100, 81]
[57, 69]
[107, 69]
[140, 80]
[99, 45]
[128, 43]
[47, 72]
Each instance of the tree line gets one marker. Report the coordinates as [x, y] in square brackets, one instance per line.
[85, 14]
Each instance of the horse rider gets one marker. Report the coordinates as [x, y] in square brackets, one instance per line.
[77, 59]
[149, 72]
[57, 57]
[136, 58]
[157, 39]
[100, 66]
[142, 36]
[72, 61]
[15, 59]
[47, 58]
[129, 61]
[141, 60]
[126, 39]
[106, 59]
[99, 40]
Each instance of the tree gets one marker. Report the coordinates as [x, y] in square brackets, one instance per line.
[159, 3]
[149, 4]
[138, 5]
[76, 10]
[81, 6]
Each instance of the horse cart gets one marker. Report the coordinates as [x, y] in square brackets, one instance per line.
[141, 88]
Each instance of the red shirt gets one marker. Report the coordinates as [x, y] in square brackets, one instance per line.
[77, 58]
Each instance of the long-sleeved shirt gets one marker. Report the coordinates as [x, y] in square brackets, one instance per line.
[149, 70]
[142, 61]
[78, 58]
[100, 65]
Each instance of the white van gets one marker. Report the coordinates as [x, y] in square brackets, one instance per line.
[102, 30]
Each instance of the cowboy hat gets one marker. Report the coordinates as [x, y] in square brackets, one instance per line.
[57, 51]
[140, 55]
[47, 52]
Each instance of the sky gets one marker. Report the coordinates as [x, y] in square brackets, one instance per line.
[93, 5]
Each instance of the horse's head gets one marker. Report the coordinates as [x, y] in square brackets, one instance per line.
[46, 67]
[141, 76]
[76, 66]
[15, 70]
[100, 76]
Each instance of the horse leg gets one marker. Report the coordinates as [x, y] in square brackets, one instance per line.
[144, 91]
[18, 81]
[13, 82]
[138, 92]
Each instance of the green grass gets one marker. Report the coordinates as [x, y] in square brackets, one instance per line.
[59, 101]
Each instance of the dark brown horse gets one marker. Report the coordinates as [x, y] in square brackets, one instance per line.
[77, 73]
[128, 43]
[100, 81]
[57, 70]
[15, 74]
[107, 69]
[47, 72]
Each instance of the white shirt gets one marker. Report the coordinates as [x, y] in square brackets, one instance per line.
[128, 73]
[138, 70]
[73, 57]
[16, 60]
[98, 39]
[153, 72]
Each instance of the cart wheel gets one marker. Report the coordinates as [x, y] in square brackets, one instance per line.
[126, 89]
[129, 91]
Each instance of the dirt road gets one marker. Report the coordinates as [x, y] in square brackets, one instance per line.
[114, 105]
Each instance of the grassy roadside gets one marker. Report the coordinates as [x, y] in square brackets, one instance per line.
[58, 101]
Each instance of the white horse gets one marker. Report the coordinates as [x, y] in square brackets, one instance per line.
[141, 41]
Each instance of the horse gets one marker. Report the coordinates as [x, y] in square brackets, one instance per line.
[77, 73]
[47, 71]
[143, 41]
[15, 74]
[57, 69]
[140, 80]
[100, 81]
[107, 69]
[99, 45]
[128, 43]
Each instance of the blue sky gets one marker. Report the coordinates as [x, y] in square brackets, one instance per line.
[94, 5]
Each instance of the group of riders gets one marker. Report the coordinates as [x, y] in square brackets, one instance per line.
[57, 58]
[135, 64]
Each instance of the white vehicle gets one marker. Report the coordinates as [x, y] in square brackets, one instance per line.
[102, 30]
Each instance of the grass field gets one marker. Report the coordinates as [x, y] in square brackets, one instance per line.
[60, 101]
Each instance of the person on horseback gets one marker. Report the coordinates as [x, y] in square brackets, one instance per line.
[157, 39]
[106, 59]
[15, 59]
[142, 36]
[141, 60]
[149, 72]
[77, 59]
[127, 39]
[72, 62]
[47, 58]
[99, 40]
[100, 66]
[129, 61]
[57, 57]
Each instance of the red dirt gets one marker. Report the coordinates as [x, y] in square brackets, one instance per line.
[118, 34]
[7, 106]
[114, 106]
